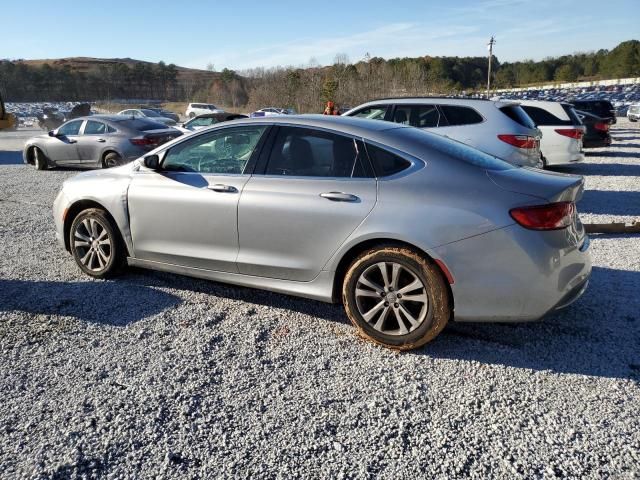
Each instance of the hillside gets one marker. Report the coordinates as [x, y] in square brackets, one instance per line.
[88, 65]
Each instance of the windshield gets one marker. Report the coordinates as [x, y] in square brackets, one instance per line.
[150, 113]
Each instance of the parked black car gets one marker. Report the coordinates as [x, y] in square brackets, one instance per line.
[601, 108]
[597, 134]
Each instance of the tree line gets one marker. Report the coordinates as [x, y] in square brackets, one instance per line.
[307, 88]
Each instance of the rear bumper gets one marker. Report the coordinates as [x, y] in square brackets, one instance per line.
[516, 275]
[596, 141]
[565, 158]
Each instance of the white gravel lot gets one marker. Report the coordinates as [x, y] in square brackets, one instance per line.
[159, 376]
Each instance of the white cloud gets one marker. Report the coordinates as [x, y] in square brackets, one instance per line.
[391, 40]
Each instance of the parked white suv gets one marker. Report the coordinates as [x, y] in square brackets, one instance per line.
[562, 131]
[633, 113]
[195, 109]
[499, 128]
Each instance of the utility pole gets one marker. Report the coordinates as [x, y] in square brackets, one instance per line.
[490, 45]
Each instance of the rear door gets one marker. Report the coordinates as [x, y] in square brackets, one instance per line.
[311, 190]
[92, 140]
[62, 148]
[186, 213]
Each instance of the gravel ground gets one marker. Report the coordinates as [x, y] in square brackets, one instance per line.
[160, 376]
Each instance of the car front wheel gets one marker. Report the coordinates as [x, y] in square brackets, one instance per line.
[95, 244]
[396, 298]
[39, 159]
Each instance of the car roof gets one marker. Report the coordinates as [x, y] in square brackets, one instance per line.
[441, 101]
[220, 115]
[355, 126]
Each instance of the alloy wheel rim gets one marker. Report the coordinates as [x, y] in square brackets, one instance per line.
[391, 298]
[93, 244]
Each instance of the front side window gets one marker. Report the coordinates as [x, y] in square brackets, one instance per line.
[224, 151]
[458, 115]
[373, 113]
[71, 128]
[305, 152]
[94, 128]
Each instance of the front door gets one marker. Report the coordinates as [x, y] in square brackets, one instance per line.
[316, 188]
[62, 148]
[186, 212]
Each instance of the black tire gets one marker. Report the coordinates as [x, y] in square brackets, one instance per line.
[99, 260]
[432, 317]
[111, 160]
[40, 160]
[544, 162]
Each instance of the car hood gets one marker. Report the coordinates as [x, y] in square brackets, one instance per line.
[116, 173]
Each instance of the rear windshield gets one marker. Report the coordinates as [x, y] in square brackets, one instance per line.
[454, 149]
[142, 125]
[518, 115]
[603, 106]
[543, 117]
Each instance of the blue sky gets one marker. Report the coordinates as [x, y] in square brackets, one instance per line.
[246, 33]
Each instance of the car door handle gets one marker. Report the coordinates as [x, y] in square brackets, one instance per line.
[101, 140]
[73, 141]
[339, 197]
[218, 187]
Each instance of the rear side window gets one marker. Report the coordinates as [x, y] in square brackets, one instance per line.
[518, 115]
[541, 117]
[94, 128]
[458, 115]
[386, 163]
[421, 116]
[374, 113]
[305, 152]
[143, 125]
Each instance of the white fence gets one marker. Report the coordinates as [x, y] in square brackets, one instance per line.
[594, 83]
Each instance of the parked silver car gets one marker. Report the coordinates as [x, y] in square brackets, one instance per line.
[499, 128]
[406, 228]
[96, 141]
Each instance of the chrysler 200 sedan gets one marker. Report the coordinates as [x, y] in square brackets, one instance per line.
[406, 228]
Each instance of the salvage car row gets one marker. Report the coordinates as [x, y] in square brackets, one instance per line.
[525, 133]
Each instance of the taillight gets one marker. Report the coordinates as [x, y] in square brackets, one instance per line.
[603, 127]
[144, 142]
[553, 216]
[519, 141]
[570, 132]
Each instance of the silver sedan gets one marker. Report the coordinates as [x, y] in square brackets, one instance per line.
[407, 229]
[96, 141]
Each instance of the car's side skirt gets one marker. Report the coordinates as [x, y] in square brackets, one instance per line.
[320, 288]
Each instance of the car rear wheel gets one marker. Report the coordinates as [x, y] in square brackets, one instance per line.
[39, 159]
[111, 160]
[96, 244]
[396, 298]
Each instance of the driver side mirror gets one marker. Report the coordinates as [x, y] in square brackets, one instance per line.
[53, 133]
[152, 162]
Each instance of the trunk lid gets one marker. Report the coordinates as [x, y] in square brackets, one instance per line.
[550, 186]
